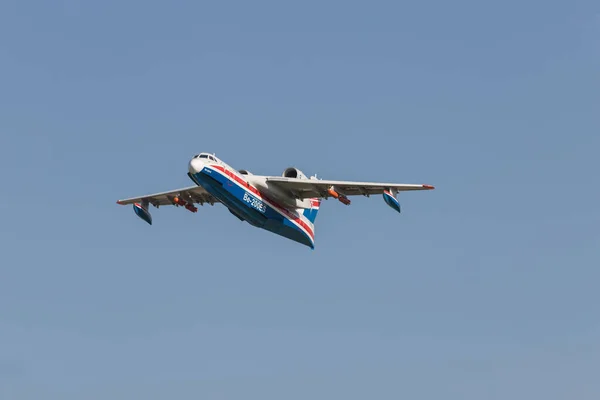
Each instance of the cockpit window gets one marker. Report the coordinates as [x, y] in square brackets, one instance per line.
[204, 155]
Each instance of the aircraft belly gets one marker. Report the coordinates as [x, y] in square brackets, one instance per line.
[284, 229]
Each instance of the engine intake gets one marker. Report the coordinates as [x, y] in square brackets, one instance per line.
[292, 172]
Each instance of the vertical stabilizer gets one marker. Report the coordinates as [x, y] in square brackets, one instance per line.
[311, 213]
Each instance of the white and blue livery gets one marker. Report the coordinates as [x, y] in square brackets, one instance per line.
[286, 205]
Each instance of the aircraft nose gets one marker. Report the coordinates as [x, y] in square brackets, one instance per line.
[195, 166]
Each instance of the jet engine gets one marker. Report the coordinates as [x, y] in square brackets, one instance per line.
[292, 172]
[277, 192]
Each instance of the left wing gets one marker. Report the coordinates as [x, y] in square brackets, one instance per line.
[309, 188]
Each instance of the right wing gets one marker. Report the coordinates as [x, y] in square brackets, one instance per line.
[185, 197]
[192, 194]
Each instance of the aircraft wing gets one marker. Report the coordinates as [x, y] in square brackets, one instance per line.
[192, 194]
[309, 188]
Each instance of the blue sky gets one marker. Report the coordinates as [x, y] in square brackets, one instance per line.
[485, 288]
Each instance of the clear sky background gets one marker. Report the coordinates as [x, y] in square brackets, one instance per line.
[485, 288]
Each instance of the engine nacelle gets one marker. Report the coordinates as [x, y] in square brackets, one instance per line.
[292, 172]
[277, 192]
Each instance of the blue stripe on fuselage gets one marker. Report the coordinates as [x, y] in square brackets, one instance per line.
[232, 196]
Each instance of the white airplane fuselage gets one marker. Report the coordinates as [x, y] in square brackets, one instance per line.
[250, 198]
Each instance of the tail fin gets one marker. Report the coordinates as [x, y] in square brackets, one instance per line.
[311, 213]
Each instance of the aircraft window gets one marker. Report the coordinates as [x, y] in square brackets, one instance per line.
[203, 156]
[212, 158]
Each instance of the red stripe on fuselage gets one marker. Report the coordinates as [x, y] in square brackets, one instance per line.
[255, 191]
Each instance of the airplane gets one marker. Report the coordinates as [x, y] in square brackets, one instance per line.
[286, 205]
